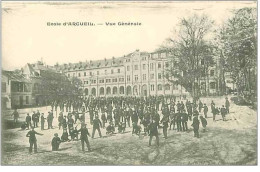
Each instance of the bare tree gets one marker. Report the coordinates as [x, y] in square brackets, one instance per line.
[188, 48]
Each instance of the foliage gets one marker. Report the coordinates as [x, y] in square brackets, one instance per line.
[238, 44]
[188, 48]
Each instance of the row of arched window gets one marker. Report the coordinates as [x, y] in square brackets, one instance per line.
[121, 90]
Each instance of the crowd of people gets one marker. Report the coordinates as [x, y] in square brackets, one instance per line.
[145, 115]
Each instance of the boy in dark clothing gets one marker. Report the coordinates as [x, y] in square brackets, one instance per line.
[15, 115]
[184, 121]
[42, 121]
[121, 127]
[84, 137]
[104, 119]
[34, 119]
[64, 122]
[178, 121]
[55, 143]
[153, 131]
[227, 105]
[172, 120]
[136, 129]
[223, 112]
[200, 106]
[65, 135]
[32, 140]
[195, 125]
[165, 122]
[96, 126]
[74, 134]
[205, 109]
[203, 122]
[28, 121]
[110, 128]
[60, 119]
[23, 126]
[76, 114]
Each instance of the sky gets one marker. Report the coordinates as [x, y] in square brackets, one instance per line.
[26, 38]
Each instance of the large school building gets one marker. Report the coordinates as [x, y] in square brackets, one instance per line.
[135, 74]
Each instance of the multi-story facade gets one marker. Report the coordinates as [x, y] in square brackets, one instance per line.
[16, 90]
[46, 82]
[136, 74]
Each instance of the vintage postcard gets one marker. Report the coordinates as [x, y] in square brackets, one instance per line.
[129, 83]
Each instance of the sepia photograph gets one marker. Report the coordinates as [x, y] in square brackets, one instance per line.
[130, 83]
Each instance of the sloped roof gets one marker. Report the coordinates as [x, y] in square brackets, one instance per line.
[119, 61]
[93, 64]
[15, 76]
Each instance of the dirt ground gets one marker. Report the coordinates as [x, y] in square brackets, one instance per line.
[231, 142]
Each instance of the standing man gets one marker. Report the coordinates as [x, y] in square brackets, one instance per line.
[184, 121]
[204, 123]
[32, 140]
[60, 119]
[96, 126]
[223, 112]
[205, 109]
[49, 120]
[227, 104]
[38, 115]
[178, 121]
[200, 106]
[104, 119]
[196, 125]
[15, 114]
[84, 137]
[28, 120]
[34, 119]
[55, 143]
[165, 122]
[153, 131]
[42, 121]
[212, 106]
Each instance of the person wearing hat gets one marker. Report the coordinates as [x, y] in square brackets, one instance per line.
[205, 110]
[200, 105]
[178, 121]
[195, 125]
[65, 135]
[42, 121]
[184, 120]
[128, 115]
[223, 112]
[76, 115]
[32, 139]
[84, 137]
[64, 122]
[49, 120]
[136, 129]
[165, 123]
[28, 120]
[153, 131]
[38, 115]
[60, 119]
[134, 117]
[34, 119]
[227, 105]
[110, 128]
[104, 119]
[121, 127]
[96, 126]
[204, 123]
[212, 106]
[55, 143]
[15, 115]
